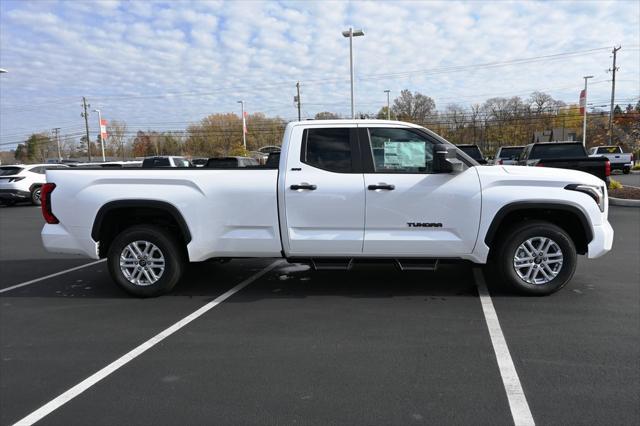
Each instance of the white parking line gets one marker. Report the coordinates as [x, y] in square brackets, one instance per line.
[517, 400]
[128, 357]
[46, 277]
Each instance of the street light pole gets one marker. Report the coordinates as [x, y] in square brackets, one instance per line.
[351, 33]
[244, 127]
[584, 119]
[100, 132]
[388, 110]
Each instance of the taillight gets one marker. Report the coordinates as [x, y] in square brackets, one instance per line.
[500, 162]
[540, 164]
[607, 168]
[45, 198]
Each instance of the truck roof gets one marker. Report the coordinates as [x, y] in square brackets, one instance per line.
[353, 121]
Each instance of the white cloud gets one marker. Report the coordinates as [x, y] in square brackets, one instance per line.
[213, 53]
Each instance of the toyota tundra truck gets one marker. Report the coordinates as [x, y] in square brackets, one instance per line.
[343, 192]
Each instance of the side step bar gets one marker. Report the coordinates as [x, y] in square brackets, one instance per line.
[345, 264]
[332, 264]
[417, 264]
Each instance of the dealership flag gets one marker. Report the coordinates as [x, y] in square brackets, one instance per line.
[583, 101]
[244, 122]
[103, 130]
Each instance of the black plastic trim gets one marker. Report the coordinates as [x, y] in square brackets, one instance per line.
[528, 205]
[160, 205]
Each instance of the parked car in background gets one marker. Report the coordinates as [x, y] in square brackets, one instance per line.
[23, 182]
[508, 155]
[565, 155]
[231, 162]
[474, 152]
[618, 159]
[165, 161]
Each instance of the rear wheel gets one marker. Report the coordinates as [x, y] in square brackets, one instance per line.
[145, 261]
[35, 196]
[626, 170]
[536, 258]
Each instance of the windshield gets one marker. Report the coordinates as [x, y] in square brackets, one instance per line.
[543, 152]
[510, 152]
[9, 171]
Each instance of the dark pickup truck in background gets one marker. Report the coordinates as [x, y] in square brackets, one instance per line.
[474, 152]
[565, 155]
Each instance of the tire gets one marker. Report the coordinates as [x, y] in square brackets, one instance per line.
[35, 196]
[626, 170]
[550, 270]
[137, 272]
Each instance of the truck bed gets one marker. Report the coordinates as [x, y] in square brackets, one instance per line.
[233, 212]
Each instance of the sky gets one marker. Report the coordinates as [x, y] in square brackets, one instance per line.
[164, 65]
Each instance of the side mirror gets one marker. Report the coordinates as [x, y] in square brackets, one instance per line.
[445, 159]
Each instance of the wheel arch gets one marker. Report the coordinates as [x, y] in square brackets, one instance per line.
[570, 218]
[117, 215]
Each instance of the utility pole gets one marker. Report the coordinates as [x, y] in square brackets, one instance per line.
[584, 118]
[388, 110]
[85, 114]
[297, 99]
[57, 133]
[244, 126]
[613, 92]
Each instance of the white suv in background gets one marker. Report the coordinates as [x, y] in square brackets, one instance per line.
[23, 182]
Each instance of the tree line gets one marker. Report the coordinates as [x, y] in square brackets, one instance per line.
[497, 122]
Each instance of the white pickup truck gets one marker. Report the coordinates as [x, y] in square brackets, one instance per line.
[618, 159]
[344, 191]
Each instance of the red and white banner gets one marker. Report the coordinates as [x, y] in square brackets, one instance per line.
[244, 122]
[583, 101]
[103, 130]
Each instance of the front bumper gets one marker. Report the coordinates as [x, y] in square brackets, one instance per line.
[602, 240]
[14, 195]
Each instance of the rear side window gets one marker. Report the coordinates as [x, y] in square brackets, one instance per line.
[10, 171]
[609, 150]
[510, 153]
[543, 152]
[156, 162]
[329, 149]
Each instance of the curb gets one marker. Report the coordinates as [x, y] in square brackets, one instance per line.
[623, 202]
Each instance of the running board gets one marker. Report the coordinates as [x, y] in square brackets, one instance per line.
[417, 264]
[332, 264]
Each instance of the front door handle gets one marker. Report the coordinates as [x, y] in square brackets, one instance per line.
[304, 186]
[381, 186]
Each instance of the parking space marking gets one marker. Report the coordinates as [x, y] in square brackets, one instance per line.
[46, 277]
[517, 400]
[76, 390]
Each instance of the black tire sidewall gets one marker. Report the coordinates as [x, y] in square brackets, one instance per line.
[33, 196]
[174, 260]
[521, 233]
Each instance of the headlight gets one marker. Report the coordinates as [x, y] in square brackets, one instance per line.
[595, 192]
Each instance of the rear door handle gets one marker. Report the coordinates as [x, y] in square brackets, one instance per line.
[381, 186]
[304, 186]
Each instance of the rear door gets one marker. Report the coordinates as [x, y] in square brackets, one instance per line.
[410, 210]
[324, 193]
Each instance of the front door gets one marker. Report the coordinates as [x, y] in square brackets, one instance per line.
[324, 193]
[411, 211]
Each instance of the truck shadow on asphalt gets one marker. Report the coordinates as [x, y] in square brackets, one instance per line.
[208, 280]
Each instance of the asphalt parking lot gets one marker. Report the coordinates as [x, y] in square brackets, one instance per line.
[632, 179]
[293, 346]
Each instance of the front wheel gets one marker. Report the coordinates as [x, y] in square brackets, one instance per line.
[536, 258]
[146, 261]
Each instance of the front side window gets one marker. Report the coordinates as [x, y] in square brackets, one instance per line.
[329, 149]
[400, 151]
